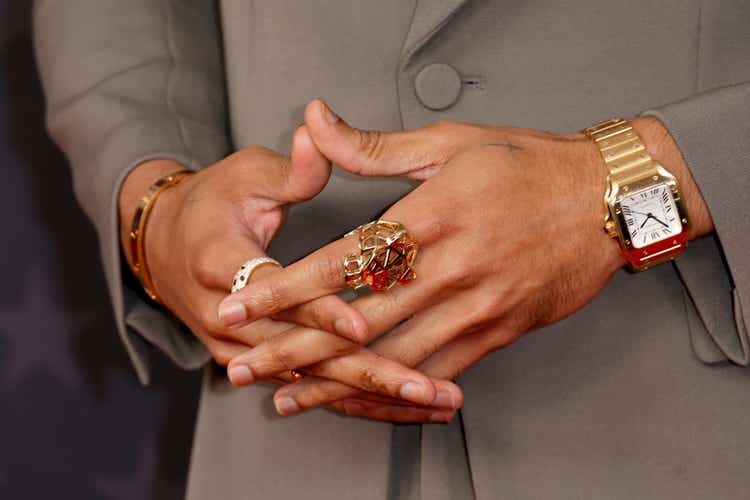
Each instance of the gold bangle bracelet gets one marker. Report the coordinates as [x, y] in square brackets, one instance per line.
[138, 229]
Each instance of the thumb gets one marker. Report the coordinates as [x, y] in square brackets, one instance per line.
[415, 153]
[308, 171]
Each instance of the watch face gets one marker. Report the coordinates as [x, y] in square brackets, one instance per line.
[650, 215]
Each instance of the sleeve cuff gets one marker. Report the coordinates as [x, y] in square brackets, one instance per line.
[140, 324]
[712, 129]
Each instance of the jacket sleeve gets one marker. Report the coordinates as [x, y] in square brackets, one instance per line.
[712, 129]
[127, 82]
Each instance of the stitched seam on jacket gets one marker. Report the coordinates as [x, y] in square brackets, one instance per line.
[407, 57]
[467, 455]
[739, 321]
[697, 83]
[168, 90]
[400, 68]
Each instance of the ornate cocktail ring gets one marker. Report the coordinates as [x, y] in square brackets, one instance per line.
[386, 253]
[242, 276]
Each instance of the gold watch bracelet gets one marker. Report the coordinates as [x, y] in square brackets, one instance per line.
[623, 152]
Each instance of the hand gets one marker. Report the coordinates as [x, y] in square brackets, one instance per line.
[201, 230]
[509, 223]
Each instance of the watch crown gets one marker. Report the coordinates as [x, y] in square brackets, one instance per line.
[610, 228]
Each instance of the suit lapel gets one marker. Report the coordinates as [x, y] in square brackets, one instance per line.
[429, 17]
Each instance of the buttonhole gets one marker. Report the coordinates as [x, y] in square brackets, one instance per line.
[473, 82]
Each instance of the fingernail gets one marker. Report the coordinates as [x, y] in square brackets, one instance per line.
[343, 327]
[286, 405]
[441, 416]
[353, 408]
[444, 399]
[240, 375]
[231, 313]
[412, 391]
[329, 115]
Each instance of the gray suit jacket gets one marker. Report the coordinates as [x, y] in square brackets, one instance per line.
[642, 394]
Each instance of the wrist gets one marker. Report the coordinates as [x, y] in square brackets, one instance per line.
[663, 149]
[135, 185]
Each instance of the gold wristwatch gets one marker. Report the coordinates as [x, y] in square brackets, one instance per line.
[645, 211]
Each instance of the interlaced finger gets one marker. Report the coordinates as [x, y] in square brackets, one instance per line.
[317, 275]
[410, 344]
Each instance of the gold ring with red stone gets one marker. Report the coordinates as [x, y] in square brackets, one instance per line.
[386, 255]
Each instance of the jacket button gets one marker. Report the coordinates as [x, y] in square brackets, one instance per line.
[438, 86]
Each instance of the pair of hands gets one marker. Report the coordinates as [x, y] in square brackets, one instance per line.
[509, 226]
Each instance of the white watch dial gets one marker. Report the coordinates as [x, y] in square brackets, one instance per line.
[650, 215]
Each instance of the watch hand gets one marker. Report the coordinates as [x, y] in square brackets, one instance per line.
[648, 216]
[660, 222]
[639, 213]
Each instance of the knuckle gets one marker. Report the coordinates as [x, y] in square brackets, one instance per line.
[209, 323]
[370, 143]
[441, 125]
[336, 346]
[369, 379]
[434, 228]
[269, 298]
[469, 132]
[489, 306]
[315, 393]
[246, 157]
[221, 354]
[320, 394]
[421, 351]
[204, 268]
[316, 312]
[461, 277]
[284, 164]
[453, 128]
[281, 356]
[343, 348]
[493, 340]
[251, 151]
[331, 269]
[381, 305]
[221, 358]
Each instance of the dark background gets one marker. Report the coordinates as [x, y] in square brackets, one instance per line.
[74, 421]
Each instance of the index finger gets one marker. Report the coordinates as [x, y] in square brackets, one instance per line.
[320, 273]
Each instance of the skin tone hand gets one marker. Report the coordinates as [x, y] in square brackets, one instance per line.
[510, 227]
[200, 232]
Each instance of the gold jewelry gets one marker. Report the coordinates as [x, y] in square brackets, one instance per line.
[138, 229]
[296, 375]
[645, 212]
[242, 277]
[386, 253]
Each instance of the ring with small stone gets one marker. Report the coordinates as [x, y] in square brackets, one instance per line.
[242, 276]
